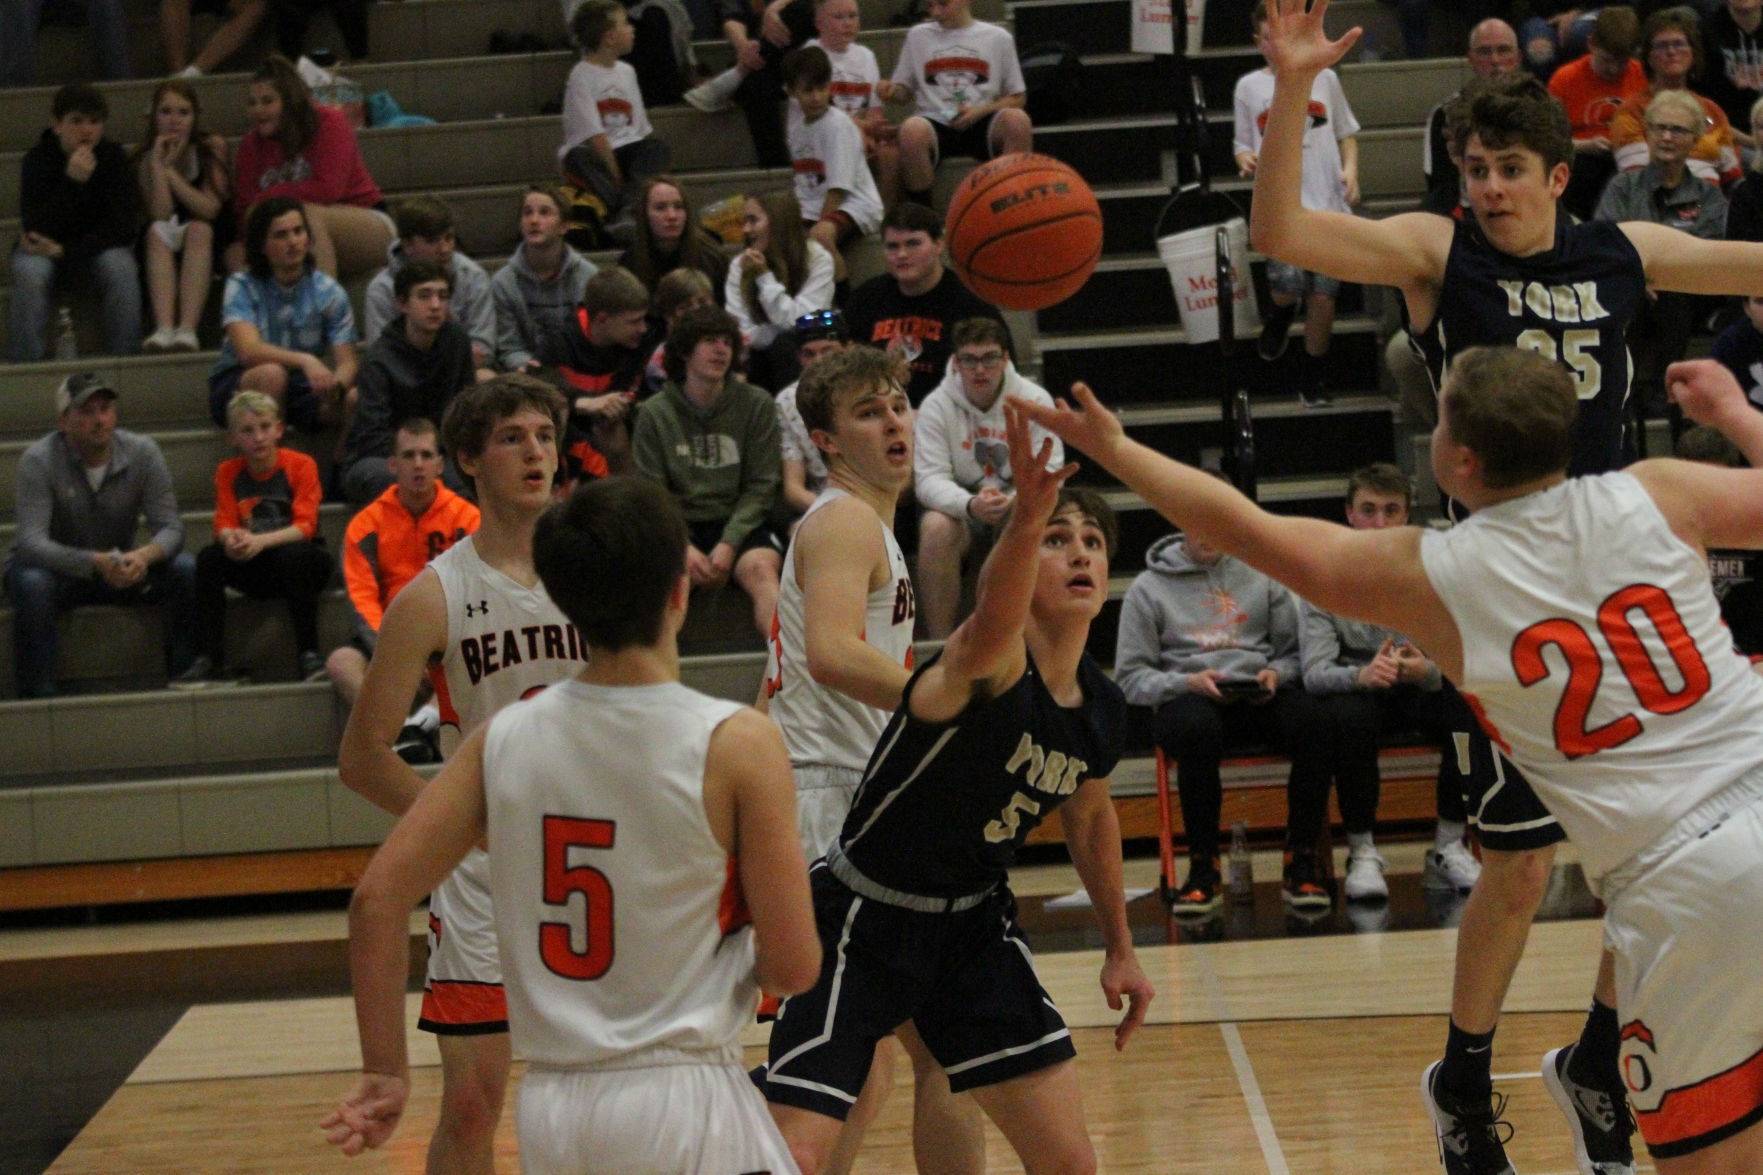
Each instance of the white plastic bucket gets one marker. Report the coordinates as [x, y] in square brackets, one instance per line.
[1153, 25]
[1191, 257]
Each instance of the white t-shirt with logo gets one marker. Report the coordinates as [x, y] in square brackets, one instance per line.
[951, 69]
[600, 99]
[1329, 121]
[826, 154]
[855, 72]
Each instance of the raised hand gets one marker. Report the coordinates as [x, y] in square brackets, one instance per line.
[1706, 391]
[1037, 487]
[1296, 42]
[1089, 426]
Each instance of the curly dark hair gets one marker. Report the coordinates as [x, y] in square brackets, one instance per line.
[692, 328]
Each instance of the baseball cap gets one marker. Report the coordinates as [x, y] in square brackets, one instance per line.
[822, 324]
[76, 389]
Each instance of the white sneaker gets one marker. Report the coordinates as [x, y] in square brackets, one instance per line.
[1365, 881]
[160, 340]
[184, 339]
[717, 93]
[1454, 868]
[190, 71]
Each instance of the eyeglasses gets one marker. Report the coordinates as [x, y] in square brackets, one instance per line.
[1667, 128]
[989, 359]
[1494, 51]
[1678, 46]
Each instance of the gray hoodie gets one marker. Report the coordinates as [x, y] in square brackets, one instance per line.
[1181, 617]
[471, 305]
[1334, 649]
[531, 313]
[957, 448]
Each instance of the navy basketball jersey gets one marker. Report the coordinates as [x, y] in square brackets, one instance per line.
[943, 807]
[1572, 303]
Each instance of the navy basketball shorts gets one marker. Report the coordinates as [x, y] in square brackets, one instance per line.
[1506, 814]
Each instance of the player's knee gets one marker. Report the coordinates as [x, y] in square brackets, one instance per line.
[471, 1106]
[1516, 882]
[1077, 1157]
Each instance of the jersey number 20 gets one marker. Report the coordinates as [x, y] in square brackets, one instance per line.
[556, 947]
[1585, 667]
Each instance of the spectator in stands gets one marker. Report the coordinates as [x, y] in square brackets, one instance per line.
[419, 362]
[911, 309]
[293, 16]
[712, 441]
[1732, 36]
[1212, 646]
[1331, 183]
[609, 148]
[1673, 42]
[1493, 49]
[281, 319]
[667, 235]
[818, 335]
[1372, 682]
[387, 543]
[759, 31]
[1740, 348]
[426, 233]
[79, 211]
[241, 20]
[82, 494]
[837, 193]
[18, 40]
[680, 291]
[1737, 575]
[1591, 88]
[780, 276]
[961, 465]
[297, 147]
[856, 73]
[185, 179]
[601, 362]
[1554, 32]
[1744, 206]
[971, 99]
[266, 542]
[538, 290]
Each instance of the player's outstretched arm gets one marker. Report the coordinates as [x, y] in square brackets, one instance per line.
[1092, 833]
[414, 630]
[440, 828]
[1675, 260]
[988, 647]
[836, 550]
[748, 770]
[1709, 394]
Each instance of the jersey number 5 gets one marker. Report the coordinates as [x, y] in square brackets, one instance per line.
[1585, 667]
[556, 946]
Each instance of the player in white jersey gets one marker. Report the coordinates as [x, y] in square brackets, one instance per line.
[645, 872]
[841, 654]
[1579, 616]
[479, 615]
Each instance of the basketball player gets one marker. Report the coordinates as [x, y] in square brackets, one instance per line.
[1517, 271]
[1579, 615]
[632, 825]
[1009, 722]
[841, 653]
[480, 611]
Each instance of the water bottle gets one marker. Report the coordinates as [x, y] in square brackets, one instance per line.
[1242, 866]
[66, 345]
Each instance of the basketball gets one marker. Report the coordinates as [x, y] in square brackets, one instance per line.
[1024, 231]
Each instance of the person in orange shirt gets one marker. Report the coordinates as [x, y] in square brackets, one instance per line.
[1673, 42]
[387, 544]
[1591, 88]
[265, 540]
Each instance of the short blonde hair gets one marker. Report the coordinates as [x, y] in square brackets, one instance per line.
[251, 404]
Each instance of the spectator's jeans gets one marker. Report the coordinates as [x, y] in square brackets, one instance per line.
[115, 274]
[18, 39]
[39, 594]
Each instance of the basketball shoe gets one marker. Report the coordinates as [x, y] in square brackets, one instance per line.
[1454, 868]
[1200, 893]
[1472, 1139]
[1365, 883]
[1601, 1123]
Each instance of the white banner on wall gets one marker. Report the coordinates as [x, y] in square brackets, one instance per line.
[1152, 21]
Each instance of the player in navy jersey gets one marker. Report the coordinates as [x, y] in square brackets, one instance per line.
[1011, 721]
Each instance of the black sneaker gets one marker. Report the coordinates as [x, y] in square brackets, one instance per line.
[1602, 1126]
[1201, 893]
[203, 673]
[1472, 1139]
[1303, 890]
[1276, 332]
[416, 746]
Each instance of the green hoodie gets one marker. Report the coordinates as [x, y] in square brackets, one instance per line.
[722, 464]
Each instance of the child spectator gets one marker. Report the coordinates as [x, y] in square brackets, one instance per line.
[298, 148]
[961, 464]
[609, 148]
[1672, 38]
[971, 98]
[759, 31]
[265, 540]
[1591, 88]
[678, 292]
[538, 290]
[601, 361]
[280, 319]
[818, 335]
[79, 211]
[1331, 183]
[185, 180]
[1740, 348]
[387, 543]
[712, 441]
[412, 370]
[838, 195]
[856, 74]
[667, 236]
[780, 276]
[425, 233]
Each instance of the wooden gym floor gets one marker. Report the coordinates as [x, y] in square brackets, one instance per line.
[212, 1044]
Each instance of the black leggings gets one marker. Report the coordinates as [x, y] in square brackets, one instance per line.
[1360, 720]
[295, 572]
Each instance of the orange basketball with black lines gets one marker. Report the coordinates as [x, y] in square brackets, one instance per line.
[1024, 231]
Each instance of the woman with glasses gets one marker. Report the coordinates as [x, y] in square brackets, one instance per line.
[1671, 43]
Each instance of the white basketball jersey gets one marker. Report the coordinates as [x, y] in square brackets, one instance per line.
[504, 641]
[1594, 646]
[619, 918]
[823, 726]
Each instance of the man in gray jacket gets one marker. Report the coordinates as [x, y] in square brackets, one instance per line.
[81, 494]
[1211, 645]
